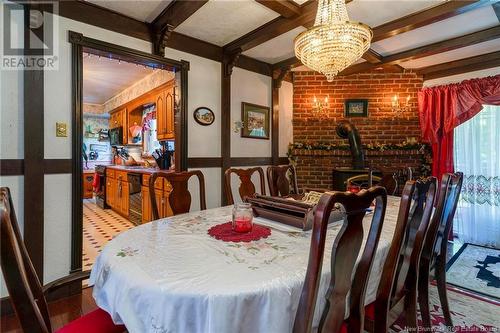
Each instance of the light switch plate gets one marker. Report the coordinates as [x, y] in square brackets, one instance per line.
[61, 130]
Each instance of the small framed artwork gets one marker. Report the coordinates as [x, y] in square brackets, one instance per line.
[356, 108]
[255, 120]
[204, 116]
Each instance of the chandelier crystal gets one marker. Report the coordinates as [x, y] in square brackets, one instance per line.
[334, 42]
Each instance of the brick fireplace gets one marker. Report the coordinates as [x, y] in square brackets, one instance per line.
[382, 126]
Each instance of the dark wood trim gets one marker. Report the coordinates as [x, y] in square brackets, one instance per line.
[372, 57]
[194, 46]
[285, 8]
[444, 46]
[225, 93]
[87, 12]
[283, 160]
[78, 44]
[33, 155]
[275, 132]
[183, 148]
[76, 155]
[424, 17]
[483, 61]
[273, 29]
[11, 167]
[204, 162]
[419, 52]
[250, 161]
[176, 13]
[254, 65]
[290, 62]
[57, 166]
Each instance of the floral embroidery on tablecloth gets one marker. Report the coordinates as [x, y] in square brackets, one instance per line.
[127, 252]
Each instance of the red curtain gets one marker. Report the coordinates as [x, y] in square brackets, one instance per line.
[443, 108]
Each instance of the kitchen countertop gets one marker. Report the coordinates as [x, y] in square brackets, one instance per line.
[135, 169]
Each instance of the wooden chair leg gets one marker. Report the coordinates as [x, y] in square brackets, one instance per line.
[411, 310]
[423, 295]
[440, 270]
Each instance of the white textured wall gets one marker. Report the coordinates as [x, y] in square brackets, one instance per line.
[58, 108]
[461, 77]
[203, 90]
[286, 116]
[253, 88]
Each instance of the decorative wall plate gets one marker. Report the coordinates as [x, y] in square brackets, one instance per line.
[204, 116]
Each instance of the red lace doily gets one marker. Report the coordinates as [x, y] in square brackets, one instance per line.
[224, 232]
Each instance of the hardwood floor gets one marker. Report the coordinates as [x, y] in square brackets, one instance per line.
[62, 312]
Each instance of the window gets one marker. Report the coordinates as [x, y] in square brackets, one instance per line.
[477, 155]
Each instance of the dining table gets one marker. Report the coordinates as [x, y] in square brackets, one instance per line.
[169, 275]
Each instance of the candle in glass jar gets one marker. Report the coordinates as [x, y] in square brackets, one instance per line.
[242, 217]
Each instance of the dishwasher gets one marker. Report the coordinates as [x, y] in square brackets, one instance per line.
[135, 198]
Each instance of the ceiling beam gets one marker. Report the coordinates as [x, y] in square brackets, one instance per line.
[444, 46]
[372, 57]
[425, 17]
[176, 12]
[480, 62]
[423, 51]
[285, 8]
[273, 29]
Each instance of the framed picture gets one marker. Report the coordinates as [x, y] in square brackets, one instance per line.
[356, 108]
[204, 116]
[255, 120]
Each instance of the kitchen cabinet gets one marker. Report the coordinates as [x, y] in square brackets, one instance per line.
[165, 112]
[118, 118]
[162, 192]
[88, 189]
[117, 191]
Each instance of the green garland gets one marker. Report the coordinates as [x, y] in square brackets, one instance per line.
[424, 148]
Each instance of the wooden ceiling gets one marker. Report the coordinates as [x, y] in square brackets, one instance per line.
[215, 28]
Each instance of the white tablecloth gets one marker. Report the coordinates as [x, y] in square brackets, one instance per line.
[170, 276]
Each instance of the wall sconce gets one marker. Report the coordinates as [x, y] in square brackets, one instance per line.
[399, 107]
[318, 107]
[237, 126]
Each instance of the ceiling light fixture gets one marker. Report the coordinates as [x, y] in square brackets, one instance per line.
[334, 42]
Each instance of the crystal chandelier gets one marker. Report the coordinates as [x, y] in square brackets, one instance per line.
[333, 43]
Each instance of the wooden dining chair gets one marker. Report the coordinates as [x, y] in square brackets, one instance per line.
[435, 248]
[247, 187]
[25, 290]
[345, 251]
[400, 272]
[278, 181]
[180, 197]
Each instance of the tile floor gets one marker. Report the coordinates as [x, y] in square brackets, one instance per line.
[99, 227]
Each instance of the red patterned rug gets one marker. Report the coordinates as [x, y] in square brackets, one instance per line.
[470, 313]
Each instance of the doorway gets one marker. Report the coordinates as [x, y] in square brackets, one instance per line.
[115, 102]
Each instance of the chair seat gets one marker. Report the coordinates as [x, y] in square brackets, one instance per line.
[97, 321]
[370, 311]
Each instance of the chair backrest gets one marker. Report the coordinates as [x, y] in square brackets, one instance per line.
[401, 263]
[363, 181]
[442, 220]
[279, 184]
[25, 289]
[345, 251]
[247, 188]
[180, 197]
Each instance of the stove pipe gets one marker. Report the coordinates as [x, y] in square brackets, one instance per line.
[346, 130]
